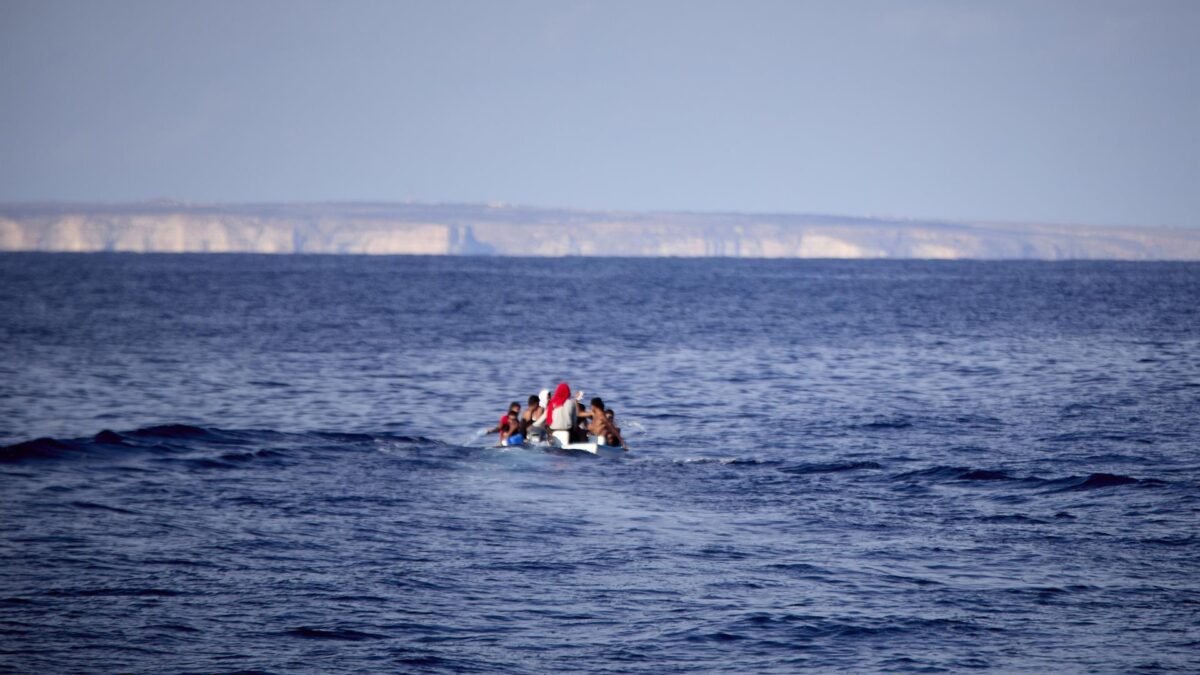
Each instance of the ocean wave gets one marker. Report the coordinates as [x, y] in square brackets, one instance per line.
[797, 630]
[38, 448]
[729, 461]
[345, 634]
[953, 474]
[885, 423]
[173, 431]
[1013, 519]
[182, 442]
[1094, 481]
[112, 592]
[829, 467]
[90, 506]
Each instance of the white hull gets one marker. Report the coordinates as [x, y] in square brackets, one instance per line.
[596, 449]
[559, 440]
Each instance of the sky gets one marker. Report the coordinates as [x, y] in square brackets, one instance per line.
[1072, 111]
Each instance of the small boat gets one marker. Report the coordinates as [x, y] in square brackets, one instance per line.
[559, 440]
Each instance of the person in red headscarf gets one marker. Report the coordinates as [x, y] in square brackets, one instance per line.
[567, 414]
[562, 394]
[563, 413]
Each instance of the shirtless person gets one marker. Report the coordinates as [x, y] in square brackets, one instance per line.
[613, 439]
[605, 431]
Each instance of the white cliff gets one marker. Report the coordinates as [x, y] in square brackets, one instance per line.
[417, 229]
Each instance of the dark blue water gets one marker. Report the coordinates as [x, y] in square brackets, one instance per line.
[274, 464]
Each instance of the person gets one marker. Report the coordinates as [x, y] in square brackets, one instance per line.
[533, 420]
[601, 427]
[505, 423]
[562, 411]
[614, 437]
[513, 434]
[583, 417]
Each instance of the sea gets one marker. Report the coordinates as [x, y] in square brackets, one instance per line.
[279, 464]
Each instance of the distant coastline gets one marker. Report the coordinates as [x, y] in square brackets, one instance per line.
[503, 230]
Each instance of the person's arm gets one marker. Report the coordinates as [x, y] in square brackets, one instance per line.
[615, 431]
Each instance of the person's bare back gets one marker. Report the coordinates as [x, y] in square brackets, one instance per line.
[601, 427]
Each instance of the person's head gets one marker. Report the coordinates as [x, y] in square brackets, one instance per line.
[610, 414]
[533, 400]
[512, 414]
[597, 404]
[514, 408]
[562, 392]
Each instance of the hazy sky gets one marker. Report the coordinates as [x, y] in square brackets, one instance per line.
[1063, 111]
